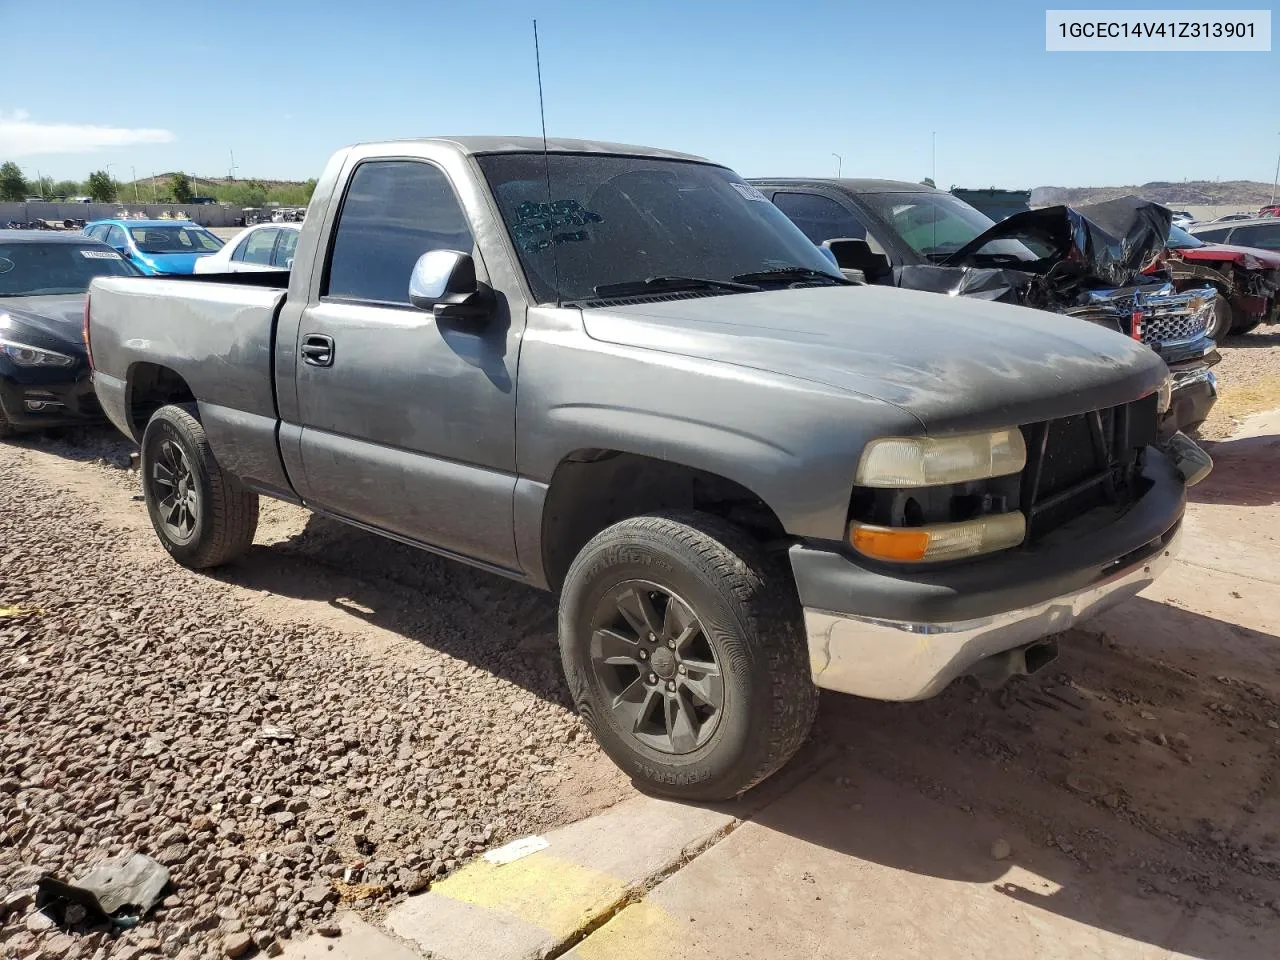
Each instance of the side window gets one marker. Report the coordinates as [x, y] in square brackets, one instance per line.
[238, 252]
[819, 218]
[258, 247]
[116, 237]
[98, 232]
[1264, 237]
[393, 213]
[1214, 236]
[285, 246]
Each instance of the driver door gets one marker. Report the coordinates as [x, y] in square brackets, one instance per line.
[408, 421]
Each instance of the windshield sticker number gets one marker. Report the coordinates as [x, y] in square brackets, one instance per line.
[749, 192]
[537, 224]
[99, 254]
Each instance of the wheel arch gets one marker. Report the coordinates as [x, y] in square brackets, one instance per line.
[593, 488]
[148, 387]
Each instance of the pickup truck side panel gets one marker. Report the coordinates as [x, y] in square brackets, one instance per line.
[797, 455]
[220, 344]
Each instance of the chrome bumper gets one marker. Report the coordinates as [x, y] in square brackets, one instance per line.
[902, 660]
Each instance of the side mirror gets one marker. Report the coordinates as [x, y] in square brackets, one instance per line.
[444, 282]
[854, 254]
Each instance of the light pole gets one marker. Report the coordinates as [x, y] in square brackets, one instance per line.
[133, 172]
[153, 187]
[839, 164]
[1275, 180]
[933, 159]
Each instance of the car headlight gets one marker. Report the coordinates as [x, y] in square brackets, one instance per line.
[932, 461]
[1164, 394]
[27, 356]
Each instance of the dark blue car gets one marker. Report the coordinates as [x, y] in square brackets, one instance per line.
[156, 247]
[44, 367]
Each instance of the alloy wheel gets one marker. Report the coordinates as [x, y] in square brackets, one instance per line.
[175, 490]
[657, 667]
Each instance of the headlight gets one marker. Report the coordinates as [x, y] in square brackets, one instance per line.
[25, 356]
[929, 461]
[1164, 394]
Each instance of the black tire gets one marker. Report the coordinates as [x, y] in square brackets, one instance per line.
[223, 516]
[1223, 319]
[6, 428]
[749, 619]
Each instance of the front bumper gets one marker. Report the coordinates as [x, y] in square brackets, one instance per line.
[39, 401]
[904, 635]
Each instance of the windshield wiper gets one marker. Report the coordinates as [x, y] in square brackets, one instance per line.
[628, 288]
[791, 275]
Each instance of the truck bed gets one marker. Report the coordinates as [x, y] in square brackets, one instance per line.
[217, 333]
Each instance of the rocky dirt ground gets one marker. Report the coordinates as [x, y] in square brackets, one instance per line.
[339, 719]
[280, 753]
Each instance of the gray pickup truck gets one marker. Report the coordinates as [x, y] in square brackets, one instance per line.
[624, 376]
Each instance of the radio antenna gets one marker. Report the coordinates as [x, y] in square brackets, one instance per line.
[546, 162]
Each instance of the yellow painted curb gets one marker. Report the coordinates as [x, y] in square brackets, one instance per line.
[552, 894]
[642, 931]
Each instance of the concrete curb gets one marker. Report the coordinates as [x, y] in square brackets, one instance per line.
[544, 903]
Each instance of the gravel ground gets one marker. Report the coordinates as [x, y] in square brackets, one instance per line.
[1248, 381]
[277, 768]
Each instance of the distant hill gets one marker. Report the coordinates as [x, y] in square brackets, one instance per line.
[1244, 194]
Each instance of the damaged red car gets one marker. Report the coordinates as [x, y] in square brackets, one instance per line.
[1248, 279]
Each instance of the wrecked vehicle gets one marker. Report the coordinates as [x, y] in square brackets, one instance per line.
[1085, 262]
[621, 375]
[1247, 278]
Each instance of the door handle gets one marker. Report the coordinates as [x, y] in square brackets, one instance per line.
[317, 350]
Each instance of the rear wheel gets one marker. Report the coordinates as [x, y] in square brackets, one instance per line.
[684, 650]
[6, 428]
[203, 516]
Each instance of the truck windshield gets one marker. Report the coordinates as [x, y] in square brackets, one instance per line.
[48, 269]
[936, 225]
[616, 221]
[166, 239]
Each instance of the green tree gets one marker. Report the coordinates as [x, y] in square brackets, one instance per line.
[13, 185]
[101, 187]
[68, 188]
[180, 185]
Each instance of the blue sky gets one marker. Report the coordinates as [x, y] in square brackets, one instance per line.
[158, 87]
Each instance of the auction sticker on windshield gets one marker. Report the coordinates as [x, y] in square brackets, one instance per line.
[750, 192]
[99, 254]
[1157, 30]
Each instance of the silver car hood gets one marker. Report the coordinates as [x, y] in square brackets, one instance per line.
[954, 363]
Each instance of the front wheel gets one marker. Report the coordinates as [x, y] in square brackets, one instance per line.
[685, 654]
[1223, 317]
[203, 516]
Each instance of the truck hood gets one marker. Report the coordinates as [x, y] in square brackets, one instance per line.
[953, 363]
[1109, 242]
[56, 322]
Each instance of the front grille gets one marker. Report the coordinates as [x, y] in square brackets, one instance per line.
[1170, 323]
[1167, 316]
[1078, 463]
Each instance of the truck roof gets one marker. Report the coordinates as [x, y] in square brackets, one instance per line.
[856, 185]
[478, 145]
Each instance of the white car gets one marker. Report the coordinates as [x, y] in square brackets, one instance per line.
[266, 246]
